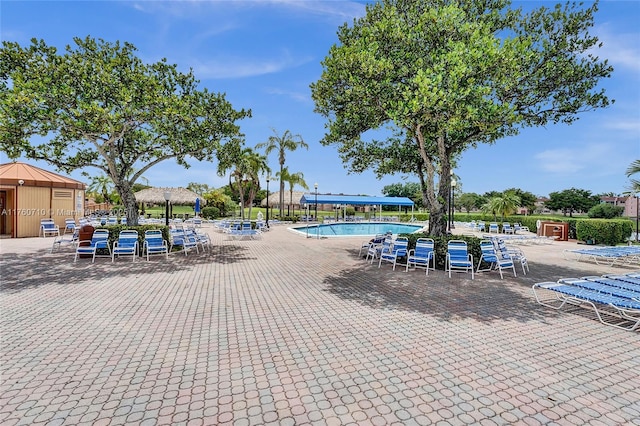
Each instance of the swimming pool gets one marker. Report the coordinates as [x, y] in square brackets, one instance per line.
[363, 229]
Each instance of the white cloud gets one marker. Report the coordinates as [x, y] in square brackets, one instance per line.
[238, 67]
[344, 10]
[297, 96]
[594, 158]
[622, 50]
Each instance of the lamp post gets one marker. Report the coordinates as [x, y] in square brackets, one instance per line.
[268, 178]
[306, 217]
[167, 198]
[637, 216]
[315, 185]
[453, 195]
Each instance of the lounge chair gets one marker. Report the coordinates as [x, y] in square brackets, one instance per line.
[378, 239]
[513, 253]
[422, 255]
[66, 239]
[458, 257]
[69, 226]
[396, 250]
[186, 242]
[493, 228]
[507, 229]
[610, 307]
[126, 245]
[154, 243]
[495, 259]
[99, 240]
[49, 228]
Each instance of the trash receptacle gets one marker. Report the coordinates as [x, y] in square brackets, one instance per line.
[84, 236]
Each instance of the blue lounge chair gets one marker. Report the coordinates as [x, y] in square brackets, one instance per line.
[458, 257]
[126, 245]
[99, 240]
[397, 250]
[496, 260]
[49, 228]
[493, 228]
[422, 255]
[186, 242]
[154, 243]
[620, 312]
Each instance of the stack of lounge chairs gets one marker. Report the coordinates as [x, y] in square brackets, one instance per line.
[615, 299]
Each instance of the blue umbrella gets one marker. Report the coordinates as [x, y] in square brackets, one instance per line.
[197, 208]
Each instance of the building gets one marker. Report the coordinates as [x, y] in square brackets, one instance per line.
[29, 194]
[628, 202]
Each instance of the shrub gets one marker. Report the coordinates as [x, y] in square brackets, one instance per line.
[114, 231]
[602, 231]
[211, 212]
[440, 246]
[605, 211]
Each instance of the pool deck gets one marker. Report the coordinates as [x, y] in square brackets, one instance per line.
[293, 331]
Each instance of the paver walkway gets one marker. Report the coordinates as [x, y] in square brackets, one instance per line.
[293, 331]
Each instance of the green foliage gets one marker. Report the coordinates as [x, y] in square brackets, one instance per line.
[605, 211]
[572, 200]
[446, 76]
[504, 205]
[245, 165]
[607, 232]
[282, 144]
[440, 246]
[114, 231]
[468, 201]
[100, 106]
[211, 212]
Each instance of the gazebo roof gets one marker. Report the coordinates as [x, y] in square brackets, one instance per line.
[16, 172]
[180, 196]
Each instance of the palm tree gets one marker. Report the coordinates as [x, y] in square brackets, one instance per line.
[504, 204]
[634, 168]
[281, 144]
[292, 179]
[246, 165]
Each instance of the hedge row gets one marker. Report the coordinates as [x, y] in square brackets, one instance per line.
[603, 231]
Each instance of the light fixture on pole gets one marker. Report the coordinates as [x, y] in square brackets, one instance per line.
[167, 198]
[315, 185]
[268, 178]
[453, 195]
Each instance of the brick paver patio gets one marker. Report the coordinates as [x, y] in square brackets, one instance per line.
[293, 331]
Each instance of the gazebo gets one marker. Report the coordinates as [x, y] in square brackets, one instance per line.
[29, 194]
[178, 196]
[170, 196]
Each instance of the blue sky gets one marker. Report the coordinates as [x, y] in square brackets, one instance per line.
[264, 54]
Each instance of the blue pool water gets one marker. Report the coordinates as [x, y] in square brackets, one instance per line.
[356, 229]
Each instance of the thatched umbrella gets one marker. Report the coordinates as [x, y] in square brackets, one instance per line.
[179, 196]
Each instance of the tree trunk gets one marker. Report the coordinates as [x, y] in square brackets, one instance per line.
[128, 201]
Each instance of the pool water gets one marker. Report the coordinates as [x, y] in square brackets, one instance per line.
[357, 229]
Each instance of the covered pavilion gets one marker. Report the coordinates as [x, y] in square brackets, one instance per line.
[355, 200]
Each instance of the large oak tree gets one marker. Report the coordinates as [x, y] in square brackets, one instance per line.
[98, 105]
[446, 75]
